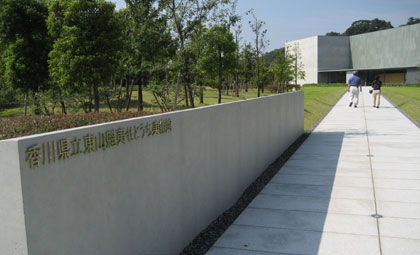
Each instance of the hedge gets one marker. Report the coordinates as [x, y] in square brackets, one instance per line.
[22, 126]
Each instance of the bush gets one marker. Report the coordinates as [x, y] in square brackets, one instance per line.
[21, 126]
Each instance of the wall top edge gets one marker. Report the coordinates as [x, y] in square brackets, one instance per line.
[154, 116]
[359, 35]
[366, 69]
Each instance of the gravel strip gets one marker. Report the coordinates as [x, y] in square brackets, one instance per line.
[206, 239]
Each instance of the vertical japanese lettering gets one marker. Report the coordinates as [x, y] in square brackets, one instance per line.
[89, 142]
[34, 156]
[63, 149]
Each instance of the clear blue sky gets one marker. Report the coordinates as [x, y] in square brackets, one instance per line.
[288, 20]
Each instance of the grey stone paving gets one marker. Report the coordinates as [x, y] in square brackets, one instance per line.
[357, 162]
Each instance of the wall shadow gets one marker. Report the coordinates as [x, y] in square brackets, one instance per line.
[289, 215]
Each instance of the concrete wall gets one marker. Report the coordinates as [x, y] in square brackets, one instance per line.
[412, 76]
[334, 53]
[140, 194]
[391, 48]
[308, 48]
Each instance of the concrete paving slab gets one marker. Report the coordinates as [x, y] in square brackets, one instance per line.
[296, 241]
[388, 174]
[398, 195]
[322, 180]
[399, 210]
[311, 221]
[399, 227]
[393, 165]
[303, 179]
[355, 172]
[228, 251]
[392, 246]
[397, 184]
[314, 204]
[285, 189]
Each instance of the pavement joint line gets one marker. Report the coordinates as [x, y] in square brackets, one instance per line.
[355, 214]
[344, 186]
[304, 230]
[239, 249]
[380, 178]
[402, 238]
[285, 210]
[373, 179]
[265, 193]
[405, 218]
[331, 198]
[321, 175]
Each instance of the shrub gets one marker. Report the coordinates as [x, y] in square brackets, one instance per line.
[21, 126]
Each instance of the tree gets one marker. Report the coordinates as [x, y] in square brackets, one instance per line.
[297, 65]
[149, 43]
[195, 49]
[24, 45]
[247, 64]
[332, 34]
[411, 21]
[238, 32]
[282, 69]
[85, 50]
[366, 26]
[259, 43]
[219, 54]
[270, 56]
[185, 15]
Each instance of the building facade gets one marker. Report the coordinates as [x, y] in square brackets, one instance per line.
[393, 54]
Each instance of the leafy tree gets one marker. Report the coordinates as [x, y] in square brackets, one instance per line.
[24, 45]
[219, 54]
[270, 56]
[185, 16]
[332, 34]
[412, 21]
[238, 32]
[150, 42]
[247, 64]
[85, 50]
[366, 26]
[259, 43]
[195, 49]
[282, 69]
[297, 65]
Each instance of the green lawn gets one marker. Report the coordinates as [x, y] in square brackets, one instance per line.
[407, 98]
[318, 100]
[210, 98]
[13, 112]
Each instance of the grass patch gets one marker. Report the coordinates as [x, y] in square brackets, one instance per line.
[13, 112]
[318, 100]
[406, 98]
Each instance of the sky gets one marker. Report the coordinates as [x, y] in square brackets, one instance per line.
[288, 20]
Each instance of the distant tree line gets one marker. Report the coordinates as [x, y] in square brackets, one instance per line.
[366, 26]
[63, 56]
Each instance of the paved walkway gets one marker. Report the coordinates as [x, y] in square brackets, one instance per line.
[357, 162]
